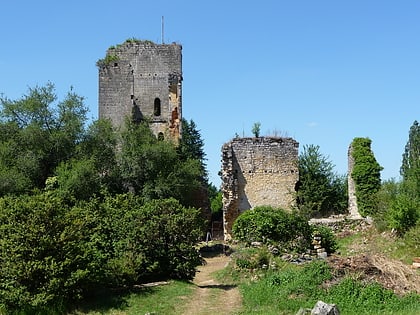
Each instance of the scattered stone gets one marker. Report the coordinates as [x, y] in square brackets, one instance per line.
[256, 244]
[322, 308]
[323, 255]
[416, 263]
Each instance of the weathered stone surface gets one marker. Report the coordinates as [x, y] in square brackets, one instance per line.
[353, 209]
[322, 308]
[256, 172]
[140, 79]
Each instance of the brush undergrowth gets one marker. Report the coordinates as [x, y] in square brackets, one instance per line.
[285, 291]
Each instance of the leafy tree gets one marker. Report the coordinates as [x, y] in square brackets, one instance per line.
[410, 168]
[403, 214]
[191, 144]
[153, 169]
[256, 128]
[320, 190]
[216, 204]
[41, 133]
[367, 176]
[49, 252]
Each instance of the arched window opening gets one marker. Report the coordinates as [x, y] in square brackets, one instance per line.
[156, 107]
[160, 136]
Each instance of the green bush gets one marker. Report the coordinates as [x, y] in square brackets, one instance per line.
[53, 254]
[403, 214]
[328, 239]
[49, 252]
[271, 225]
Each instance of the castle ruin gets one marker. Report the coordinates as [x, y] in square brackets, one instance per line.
[256, 172]
[142, 80]
[352, 199]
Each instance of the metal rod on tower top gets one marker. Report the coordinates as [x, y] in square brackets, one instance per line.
[163, 28]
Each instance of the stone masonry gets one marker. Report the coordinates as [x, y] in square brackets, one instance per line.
[353, 209]
[256, 172]
[142, 80]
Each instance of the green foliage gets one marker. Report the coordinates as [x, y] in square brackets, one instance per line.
[411, 156]
[49, 253]
[320, 191]
[252, 258]
[216, 204]
[355, 297]
[53, 254]
[403, 214]
[256, 128]
[151, 241]
[328, 239]
[154, 170]
[296, 287]
[37, 134]
[366, 175]
[191, 145]
[78, 179]
[109, 59]
[267, 224]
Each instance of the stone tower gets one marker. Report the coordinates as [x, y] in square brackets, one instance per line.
[257, 172]
[142, 80]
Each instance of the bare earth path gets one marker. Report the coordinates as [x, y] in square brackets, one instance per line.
[211, 297]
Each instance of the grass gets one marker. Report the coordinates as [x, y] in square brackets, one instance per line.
[287, 288]
[284, 288]
[286, 291]
[164, 299]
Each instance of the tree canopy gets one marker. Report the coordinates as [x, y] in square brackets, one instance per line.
[320, 190]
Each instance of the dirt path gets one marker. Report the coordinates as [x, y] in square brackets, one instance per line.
[211, 297]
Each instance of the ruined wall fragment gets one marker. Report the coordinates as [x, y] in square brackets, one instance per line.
[256, 172]
[353, 209]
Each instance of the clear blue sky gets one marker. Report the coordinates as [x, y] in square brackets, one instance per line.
[322, 72]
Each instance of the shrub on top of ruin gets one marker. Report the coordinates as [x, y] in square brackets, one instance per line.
[109, 59]
[273, 225]
[256, 129]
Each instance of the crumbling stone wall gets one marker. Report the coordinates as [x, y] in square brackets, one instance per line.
[141, 79]
[256, 172]
[353, 209]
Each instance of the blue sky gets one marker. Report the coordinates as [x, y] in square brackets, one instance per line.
[322, 72]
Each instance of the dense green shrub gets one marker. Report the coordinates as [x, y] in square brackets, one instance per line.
[49, 252]
[52, 253]
[403, 214]
[267, 224]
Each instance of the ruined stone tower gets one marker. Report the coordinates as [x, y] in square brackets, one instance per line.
[142, 80]
[257, 172]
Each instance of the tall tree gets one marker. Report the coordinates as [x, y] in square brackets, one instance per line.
[410, 168]
[191, 145]
[40, 133]
[153, 169]
[320, 190]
